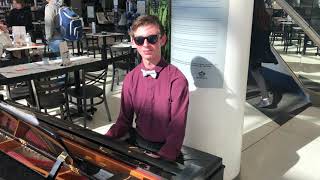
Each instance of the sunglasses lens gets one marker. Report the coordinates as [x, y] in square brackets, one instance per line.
[139, 40]
[152, 39]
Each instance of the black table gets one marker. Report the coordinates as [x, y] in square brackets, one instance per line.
[104, 40]
[30, 71]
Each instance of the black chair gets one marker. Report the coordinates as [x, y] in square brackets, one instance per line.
[125, 61]
[105, 23]
[276, 31]
[51, 93]
[15, 91]
[92, 45]
[89, 90]
[79, 47]
[308, 43]
[298, 36]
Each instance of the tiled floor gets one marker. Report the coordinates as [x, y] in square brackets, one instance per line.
[287, 152]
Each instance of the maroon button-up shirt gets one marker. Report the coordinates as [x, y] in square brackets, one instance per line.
[160, 105]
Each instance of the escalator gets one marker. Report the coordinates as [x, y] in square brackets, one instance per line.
[295, 81]
[306, 14]
[288, 95]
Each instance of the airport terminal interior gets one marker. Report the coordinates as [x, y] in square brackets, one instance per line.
[280, 141]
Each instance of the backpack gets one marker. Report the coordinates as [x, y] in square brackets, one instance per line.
[70, 24]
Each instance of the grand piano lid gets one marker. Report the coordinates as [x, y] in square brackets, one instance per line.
[30, 118]
[33, 145]
[26, 116]
[198, 164]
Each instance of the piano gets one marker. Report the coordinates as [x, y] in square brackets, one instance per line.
[34, 145]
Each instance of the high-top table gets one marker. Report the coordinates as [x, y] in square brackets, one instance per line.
[33, 46]
[25, 47]
[104, 36]
[31, 71]
[24, 53]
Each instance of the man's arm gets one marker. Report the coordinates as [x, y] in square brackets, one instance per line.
[125, 118]
[179, 109]
[28, 20]
[49, 21]
[9, 19]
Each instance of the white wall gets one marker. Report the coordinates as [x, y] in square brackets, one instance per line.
[210, 45]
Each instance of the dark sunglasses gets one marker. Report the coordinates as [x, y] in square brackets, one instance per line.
[152, 39]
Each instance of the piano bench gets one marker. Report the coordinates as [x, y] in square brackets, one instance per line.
[199, 162]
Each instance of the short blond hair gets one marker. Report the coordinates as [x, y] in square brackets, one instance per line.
[146, 20]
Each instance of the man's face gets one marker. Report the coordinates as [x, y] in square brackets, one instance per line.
[16, 5]
[147, 50]
[3, 28]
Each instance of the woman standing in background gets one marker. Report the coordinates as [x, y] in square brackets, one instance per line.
[5, 40]
[20, 15]
[259, 46]
[52, 27]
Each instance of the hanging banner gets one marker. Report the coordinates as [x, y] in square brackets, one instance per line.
[199, 36]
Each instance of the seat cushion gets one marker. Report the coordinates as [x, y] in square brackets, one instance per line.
[48, 101]
[20, 92]
[91, 91]
[211, 164]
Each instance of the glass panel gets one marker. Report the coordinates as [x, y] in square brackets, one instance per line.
[294, 45]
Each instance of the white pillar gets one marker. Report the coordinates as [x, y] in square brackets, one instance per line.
[210, 45]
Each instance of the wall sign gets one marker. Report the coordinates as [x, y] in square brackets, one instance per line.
[199, 33]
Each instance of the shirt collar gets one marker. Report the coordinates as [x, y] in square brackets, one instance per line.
[158, 68]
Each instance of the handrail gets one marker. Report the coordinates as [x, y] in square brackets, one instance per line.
[298, 19]
[289, 70]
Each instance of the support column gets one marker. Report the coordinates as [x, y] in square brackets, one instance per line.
[210, 45]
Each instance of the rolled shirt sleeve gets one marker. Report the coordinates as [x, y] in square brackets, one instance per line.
[176, 128]
[125, 118]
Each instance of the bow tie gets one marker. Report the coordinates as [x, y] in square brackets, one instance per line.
[151, 73]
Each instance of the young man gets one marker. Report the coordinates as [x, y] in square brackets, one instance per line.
[156, 92]
[5, 40]
[20, 15]
[52, 29]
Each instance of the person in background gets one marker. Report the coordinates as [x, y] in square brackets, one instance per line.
[52, 27]
[156, 92]
[5, 40]
[261, 23]
[98, 6]
[20, 15]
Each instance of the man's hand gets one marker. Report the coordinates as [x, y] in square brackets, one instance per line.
[151, 154]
